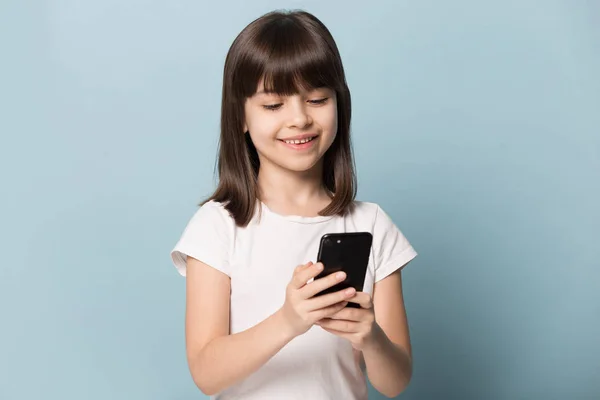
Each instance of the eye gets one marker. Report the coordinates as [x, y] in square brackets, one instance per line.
[319, 101]
[272, 107]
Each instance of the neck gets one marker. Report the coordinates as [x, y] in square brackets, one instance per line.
[290, 190]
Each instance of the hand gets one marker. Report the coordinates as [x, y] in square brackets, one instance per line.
[355, 324]
[301, 310]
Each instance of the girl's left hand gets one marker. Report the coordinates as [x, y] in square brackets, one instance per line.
[355, 324]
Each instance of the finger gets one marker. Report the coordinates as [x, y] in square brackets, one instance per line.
[343, 335]
[328, 311]
[350, 314]
[303, 273]
[321, 284]
[303, 266]
[362, 299]
[340, 326]
[326, 300]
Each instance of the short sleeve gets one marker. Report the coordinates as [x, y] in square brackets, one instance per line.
[207, 238]
[391, 250]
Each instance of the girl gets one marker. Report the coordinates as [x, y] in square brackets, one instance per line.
[254, 327]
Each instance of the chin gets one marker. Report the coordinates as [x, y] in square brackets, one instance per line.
[299, 165]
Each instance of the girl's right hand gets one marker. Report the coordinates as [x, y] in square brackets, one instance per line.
[301, 310]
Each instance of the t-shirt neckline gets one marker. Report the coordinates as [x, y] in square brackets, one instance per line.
[296, 218]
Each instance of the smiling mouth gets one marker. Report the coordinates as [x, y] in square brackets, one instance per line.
[299, 141]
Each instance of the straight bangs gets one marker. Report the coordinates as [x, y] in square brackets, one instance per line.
[287, 57]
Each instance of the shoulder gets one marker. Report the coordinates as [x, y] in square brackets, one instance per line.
[207, 237]
[213, 206]
[373, 216]
[213, 212]
[211, 223]
[363, 207]
[391, 249]
[364, 210]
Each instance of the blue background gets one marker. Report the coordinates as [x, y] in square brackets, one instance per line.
[476, 126]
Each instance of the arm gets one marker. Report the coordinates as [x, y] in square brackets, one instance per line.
[214, 356]
[388, 356]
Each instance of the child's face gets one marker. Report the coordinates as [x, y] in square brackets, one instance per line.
[273, 120]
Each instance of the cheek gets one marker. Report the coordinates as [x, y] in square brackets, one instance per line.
[329, 121]
[263, 129]
[329, 117]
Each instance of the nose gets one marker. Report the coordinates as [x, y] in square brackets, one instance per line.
[299, 118]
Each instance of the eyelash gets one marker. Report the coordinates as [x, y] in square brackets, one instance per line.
[275, 107]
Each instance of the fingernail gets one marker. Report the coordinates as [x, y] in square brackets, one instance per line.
[319, 266]
[340, 276]
[349, 291]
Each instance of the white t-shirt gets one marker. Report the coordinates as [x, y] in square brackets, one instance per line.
[260, 259]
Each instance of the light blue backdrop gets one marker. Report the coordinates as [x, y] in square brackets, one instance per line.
[476, 125]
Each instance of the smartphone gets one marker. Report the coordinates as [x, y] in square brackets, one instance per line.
[348, 252]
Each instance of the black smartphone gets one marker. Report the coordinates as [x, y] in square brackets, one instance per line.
[348, 252]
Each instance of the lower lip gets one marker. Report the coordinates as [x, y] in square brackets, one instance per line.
[302, 146]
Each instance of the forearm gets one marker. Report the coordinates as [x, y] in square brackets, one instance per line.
[228, 359]
[389, 367]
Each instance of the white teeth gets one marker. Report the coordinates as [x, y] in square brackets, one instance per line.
[300, 141]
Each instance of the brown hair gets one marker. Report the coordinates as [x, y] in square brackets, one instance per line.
[290, 50]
